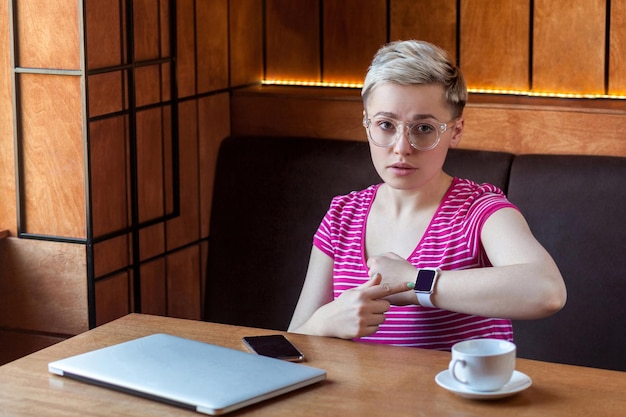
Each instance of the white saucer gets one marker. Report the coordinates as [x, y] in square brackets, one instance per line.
[519, 382]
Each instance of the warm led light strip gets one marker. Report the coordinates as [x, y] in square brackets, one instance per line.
[311, 83]
[546, 94]
[471, 90]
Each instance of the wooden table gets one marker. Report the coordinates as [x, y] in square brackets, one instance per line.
[363, 380]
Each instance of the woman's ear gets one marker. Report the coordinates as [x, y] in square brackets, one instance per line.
[457, 132]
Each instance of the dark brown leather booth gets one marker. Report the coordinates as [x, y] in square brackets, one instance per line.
[576, 207]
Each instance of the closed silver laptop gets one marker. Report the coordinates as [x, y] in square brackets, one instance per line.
[207, 378]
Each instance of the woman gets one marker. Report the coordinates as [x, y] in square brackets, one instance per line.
[477, 264]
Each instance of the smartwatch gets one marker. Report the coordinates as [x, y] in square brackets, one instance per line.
[425, 285]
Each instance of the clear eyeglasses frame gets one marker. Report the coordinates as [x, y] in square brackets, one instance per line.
[423, 135]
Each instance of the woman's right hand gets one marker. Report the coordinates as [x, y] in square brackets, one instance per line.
[356, 312]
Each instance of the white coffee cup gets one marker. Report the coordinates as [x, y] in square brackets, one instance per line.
[483, 364]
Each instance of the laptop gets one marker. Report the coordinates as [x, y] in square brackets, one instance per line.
[195, 375]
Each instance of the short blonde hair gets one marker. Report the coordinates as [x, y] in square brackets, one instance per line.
[416, 62]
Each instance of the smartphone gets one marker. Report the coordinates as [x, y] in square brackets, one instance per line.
[275, 346]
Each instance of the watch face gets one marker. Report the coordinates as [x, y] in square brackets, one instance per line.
[425, 278]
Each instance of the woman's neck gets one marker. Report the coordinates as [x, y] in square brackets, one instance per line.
[400, 202]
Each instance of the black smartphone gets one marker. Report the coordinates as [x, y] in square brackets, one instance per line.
[275, 346]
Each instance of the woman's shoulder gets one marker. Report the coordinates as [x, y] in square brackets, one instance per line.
[469, 187]
[468, 196]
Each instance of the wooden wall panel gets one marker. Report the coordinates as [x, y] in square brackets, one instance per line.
[568, 46]
[617, 57]
[106, 93]
[490, 56]
[151, 241]
[48, 34]
[8, 215]
[109, 176]
[154, 287]
[433, 21]
[212, 45]
[103, 28]
[113, 295]
[346, 58]
[185, 58]
[185, 228]
[43, 286]
[213, 127]
[246, 41]
[146, 23]
[52, 136]
[183, 283]
[111, 255]
[151, 42]
[147, 80]
[166, 84]
[165, 35]
[168, 144]
[544, 130]
[150, 164]
[301, 112]
[292, 40]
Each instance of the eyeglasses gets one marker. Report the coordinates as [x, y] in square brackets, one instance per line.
[423, 134]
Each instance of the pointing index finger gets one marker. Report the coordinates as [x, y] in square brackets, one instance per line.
[386, 289]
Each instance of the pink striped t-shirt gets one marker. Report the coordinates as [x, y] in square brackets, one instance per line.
[451, 242]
